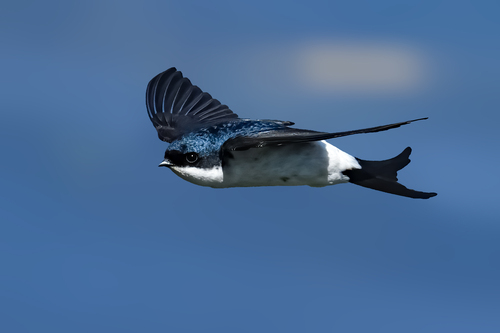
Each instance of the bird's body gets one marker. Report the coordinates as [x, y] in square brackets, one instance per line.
[315, 164]
[211, 146]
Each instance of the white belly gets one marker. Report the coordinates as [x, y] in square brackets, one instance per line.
[313, 163]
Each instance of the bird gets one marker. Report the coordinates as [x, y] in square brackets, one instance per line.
[210, 145]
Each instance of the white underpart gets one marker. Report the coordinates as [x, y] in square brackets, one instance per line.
[204, 177]
[315, 164]
[338, 162]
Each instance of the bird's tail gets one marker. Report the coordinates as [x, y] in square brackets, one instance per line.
[382, 176]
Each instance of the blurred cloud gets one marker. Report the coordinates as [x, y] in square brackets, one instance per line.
[348, 66]
[360, 67]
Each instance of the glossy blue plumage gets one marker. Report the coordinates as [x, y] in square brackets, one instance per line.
[209, 140]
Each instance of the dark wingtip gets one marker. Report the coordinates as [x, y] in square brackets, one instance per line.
[425, 118]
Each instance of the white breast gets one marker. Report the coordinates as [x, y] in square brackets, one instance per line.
[314, 164]
[205, 177]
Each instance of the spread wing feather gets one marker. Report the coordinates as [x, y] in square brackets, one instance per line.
[286, 135]
[176, 106]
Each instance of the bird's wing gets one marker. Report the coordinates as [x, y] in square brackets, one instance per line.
[288, 135]
[176, 106]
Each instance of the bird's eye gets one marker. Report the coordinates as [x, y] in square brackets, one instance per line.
[191, 157]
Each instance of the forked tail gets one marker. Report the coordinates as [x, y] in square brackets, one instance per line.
[382, 176]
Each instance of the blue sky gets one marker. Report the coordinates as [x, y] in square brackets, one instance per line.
[95, 237]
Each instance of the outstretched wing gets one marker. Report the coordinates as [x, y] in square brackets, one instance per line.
[286, 135]
[176, 106]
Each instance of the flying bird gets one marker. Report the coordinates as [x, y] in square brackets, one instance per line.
[209, 145]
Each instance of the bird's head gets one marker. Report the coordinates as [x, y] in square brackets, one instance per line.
[196, 157]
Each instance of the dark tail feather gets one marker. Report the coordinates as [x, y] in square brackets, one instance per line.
[382, 176]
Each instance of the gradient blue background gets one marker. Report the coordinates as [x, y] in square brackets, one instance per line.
[94, 237]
